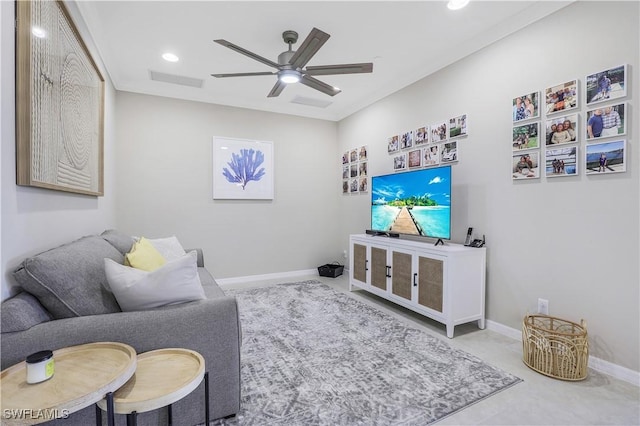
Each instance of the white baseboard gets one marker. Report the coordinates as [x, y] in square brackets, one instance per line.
[606, 367]
[278, 275]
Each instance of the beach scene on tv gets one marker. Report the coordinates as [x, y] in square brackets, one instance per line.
[415, 203]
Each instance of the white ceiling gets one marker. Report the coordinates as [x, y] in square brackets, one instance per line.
[406, 41]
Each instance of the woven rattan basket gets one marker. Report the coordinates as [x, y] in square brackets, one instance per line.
[555, 347]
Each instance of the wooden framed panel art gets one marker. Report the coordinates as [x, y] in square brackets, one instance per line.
[59, 103]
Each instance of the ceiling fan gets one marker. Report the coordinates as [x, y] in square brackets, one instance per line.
[291, 64]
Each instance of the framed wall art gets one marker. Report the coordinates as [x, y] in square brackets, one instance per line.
[561, 97]
[393, 145]
[59, 103]
[606, 85]
[561, 161]
[242, 169]
[526, 107]
[439, 132]
[526, 136]
[458, 126]
[431, 155]
[562, 129]
[606, 121]
[526, 165]
[449, 152]
[399, 162]
[606, 157]
[422, 135]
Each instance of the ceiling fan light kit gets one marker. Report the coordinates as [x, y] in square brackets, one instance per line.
[291, 64]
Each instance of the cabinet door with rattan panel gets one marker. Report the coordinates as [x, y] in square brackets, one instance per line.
[401, 274]
[430, 282]
[360, 262]
[379, 269]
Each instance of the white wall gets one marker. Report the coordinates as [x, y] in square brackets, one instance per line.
[164, 155]
[36, 219]
[573, 241]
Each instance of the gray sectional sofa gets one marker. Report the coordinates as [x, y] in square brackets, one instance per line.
[64, 302]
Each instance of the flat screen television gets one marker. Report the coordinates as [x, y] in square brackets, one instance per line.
[417, 202]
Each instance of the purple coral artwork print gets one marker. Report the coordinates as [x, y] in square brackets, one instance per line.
[242, 169]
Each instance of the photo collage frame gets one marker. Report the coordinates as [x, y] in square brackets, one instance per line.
[355, 173]
[428, 146]
[559, 135]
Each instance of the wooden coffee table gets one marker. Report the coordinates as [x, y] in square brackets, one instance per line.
[83, 375]
[162, 377]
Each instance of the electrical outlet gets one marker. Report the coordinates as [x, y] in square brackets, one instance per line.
[543, 306]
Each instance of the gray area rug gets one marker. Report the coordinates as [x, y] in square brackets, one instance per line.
[314, 356]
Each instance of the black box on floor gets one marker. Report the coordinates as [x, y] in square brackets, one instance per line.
[330, 270]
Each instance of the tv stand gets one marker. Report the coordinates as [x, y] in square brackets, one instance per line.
[443, 282]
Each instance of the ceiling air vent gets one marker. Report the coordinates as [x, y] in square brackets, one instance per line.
[176, 79]
[318, 103]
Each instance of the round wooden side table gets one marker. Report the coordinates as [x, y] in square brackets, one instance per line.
[162, 377]
[83, 375]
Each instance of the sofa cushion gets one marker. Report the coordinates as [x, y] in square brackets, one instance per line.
[120, 241]
[175, 282]
[169, 247]
[69, 281]
[143, 255]
[22, 312]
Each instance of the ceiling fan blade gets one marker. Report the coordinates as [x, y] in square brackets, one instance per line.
[308, 48]
[340, 69]
[243, 74]
[319, 85]
[277, 89]
[245, 52]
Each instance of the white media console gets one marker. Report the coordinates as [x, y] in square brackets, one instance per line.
[445, 283]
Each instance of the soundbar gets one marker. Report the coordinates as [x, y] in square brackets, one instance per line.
[382, 233]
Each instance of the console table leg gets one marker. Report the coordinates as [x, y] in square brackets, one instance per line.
[98, 416]
[206, 397]
[111, 421]
[169, 415]
[132, 418]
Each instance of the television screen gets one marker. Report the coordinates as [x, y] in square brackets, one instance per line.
[416, 203]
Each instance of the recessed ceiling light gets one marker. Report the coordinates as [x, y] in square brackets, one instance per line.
[457, 4]
[38, 32]
[170, 57]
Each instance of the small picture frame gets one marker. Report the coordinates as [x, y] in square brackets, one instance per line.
[526, 136]
[431, 155]
[606, 121]
[353, 155]
[362, 169]
[406, 140]
[606, 157]
[353, 186]
[393, 144]
[561, 97]
[526, 165]
[345, 158]
[415, 158]
[606, 85]
[362, 153]
[345, 186]
[458, 126]
[345, 171]
[561, 129]
[354, 171]
[526, 107]
[422, 135]
[449, 152]
[560, 162]
[439, 132]
[363, 185]
[400, 162]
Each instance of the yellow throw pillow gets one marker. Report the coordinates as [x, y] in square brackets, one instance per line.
[144, 256]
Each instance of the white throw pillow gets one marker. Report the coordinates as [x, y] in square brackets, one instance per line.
[170, 248]
[175, 282]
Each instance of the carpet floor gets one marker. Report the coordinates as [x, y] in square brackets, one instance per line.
[314, 356]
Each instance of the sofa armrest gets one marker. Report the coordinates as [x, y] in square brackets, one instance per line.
[200, 256]
[210, 327]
